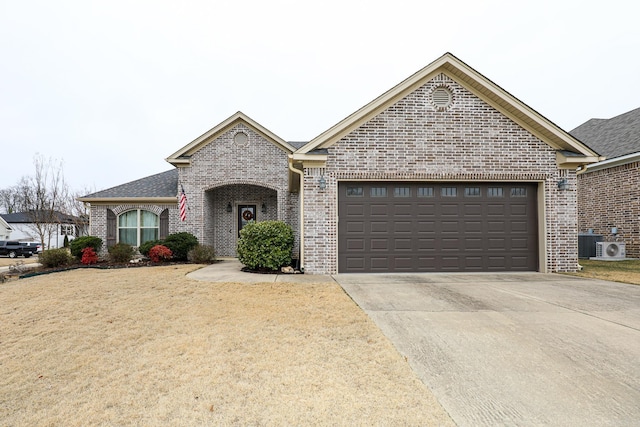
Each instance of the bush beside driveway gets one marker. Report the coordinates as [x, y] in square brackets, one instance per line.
[148, 346]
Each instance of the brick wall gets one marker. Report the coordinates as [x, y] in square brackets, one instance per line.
[413, 140]
[222, 172]
[611, 198]
[98, 221]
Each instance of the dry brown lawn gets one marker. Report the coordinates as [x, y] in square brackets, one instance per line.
[627, 271]
[147, 346]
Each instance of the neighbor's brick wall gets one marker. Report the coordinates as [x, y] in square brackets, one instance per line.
[222, 163]
[412, 140]
[611, 198]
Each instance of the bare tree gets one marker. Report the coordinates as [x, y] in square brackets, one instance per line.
[47, 201]
[16, 198]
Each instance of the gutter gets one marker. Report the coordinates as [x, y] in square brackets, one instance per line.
[609, 163]
[301, 209]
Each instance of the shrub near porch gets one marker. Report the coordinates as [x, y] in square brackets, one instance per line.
[265, 245]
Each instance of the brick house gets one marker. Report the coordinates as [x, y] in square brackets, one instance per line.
[444, 172]
[609, 191]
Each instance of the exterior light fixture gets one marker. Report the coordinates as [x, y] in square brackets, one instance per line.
[229, 208]
[563, 184]
[322, 183]
[264, 208]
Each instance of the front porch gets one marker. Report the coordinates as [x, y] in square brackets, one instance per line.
[229, 207]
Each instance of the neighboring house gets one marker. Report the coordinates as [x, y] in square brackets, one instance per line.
[26, 225]
[444, 172]
[609, 191]
[5, 229]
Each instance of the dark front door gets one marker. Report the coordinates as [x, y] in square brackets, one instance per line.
[246, 213]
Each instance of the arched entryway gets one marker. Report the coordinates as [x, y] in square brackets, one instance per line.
[228, 208]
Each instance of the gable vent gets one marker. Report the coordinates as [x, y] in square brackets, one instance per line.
[441, 97]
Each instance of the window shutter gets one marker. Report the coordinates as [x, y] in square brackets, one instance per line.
[164, 224]
[112, 228]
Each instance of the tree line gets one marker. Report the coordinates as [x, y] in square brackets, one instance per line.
[44, 197]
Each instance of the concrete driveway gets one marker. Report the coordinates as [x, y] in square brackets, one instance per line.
[514, 349]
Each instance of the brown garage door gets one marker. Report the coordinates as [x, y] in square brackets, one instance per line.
[400, 226]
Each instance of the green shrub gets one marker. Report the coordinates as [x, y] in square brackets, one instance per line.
[202, 254]
[265, 244]
[146, 246]
[55, 258]
[180, 244]
[121, 252]
[79, 243]
[160, 253]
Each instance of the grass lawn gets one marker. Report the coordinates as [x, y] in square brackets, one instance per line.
[147, 346]
[627, 271]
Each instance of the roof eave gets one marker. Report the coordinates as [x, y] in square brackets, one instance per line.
[180, 157]
[575, 161]
[128, 200]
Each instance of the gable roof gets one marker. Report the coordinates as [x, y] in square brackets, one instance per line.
[181, 157]
[28, 217]
[159, 187]
[615, 137]
[479, 85]
[4, 224]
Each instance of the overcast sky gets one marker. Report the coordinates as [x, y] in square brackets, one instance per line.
[114, 87]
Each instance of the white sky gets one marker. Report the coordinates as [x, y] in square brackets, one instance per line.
[114, 87]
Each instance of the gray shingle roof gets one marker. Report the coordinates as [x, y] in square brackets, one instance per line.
[297, 144]
[613, 137]
[164, 184]
[29, 217]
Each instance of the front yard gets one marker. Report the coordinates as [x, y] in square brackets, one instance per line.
[147, 346]
[627, 271]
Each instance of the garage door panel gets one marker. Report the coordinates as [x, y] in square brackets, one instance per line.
[379, 263]
[473, 226]
[450, 244]
[495, 209]
[426, 245]
[404, 210]
[379, 227]
[355, 227]
[437, 227]
[450, 226]
[403, 227]
[473, 244]
[518, 210]
[472, 209]
[519, 227]
[494, 244]
[380, 210]
[449, 209]
[379, 245]
[425, 209]
[355, 264]
[425, 227]
[474, 263]
[355, 244]
[402, 245]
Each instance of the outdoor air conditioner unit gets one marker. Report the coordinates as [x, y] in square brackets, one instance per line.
[610, 250]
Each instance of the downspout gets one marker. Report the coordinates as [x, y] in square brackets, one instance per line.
[301, 209]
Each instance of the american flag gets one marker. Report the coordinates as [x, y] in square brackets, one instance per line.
[183, 205]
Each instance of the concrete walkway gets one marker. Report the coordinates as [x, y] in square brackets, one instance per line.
[514, 349]
[229, 270]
